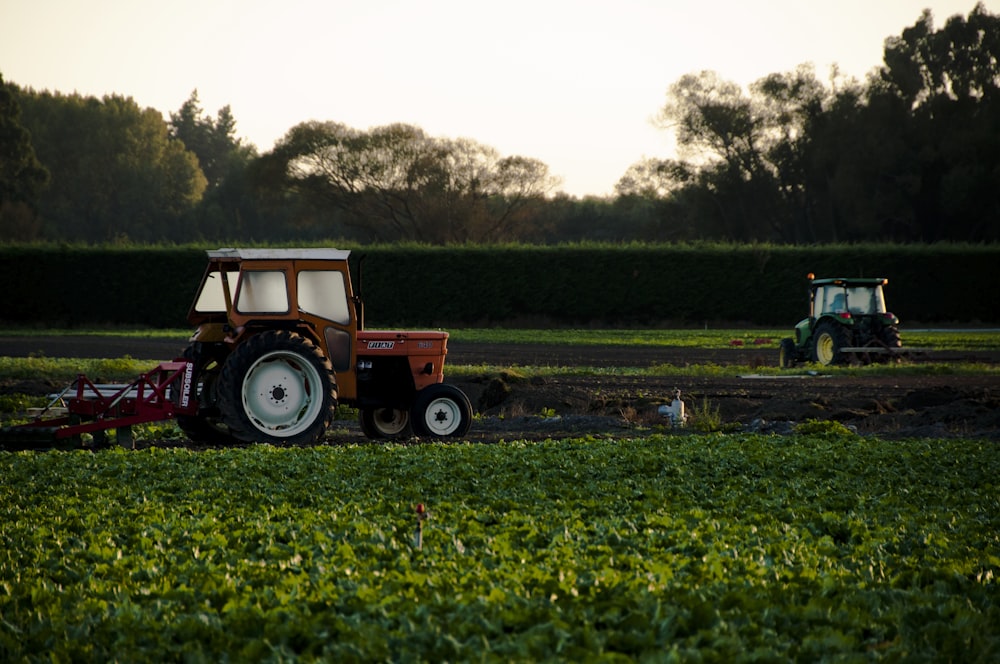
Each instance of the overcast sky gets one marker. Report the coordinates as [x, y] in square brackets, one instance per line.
[573, 83]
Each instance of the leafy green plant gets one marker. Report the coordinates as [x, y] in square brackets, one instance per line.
[345, 412]
[155, 431]
[18, 403]
[688, 337]
[798, 548]
[765, 339]
[704, 417]
[814, 427]
[516, 283]
[65, 370]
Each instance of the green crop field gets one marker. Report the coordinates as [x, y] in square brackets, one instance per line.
[943, 339]
[819, 546]
[721, 548]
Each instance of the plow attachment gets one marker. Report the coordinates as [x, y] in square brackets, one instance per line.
[88, 408]
[878, 352]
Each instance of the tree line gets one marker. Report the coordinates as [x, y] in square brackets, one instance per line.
[911, 154]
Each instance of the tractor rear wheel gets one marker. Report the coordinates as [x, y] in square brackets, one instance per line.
[441, 410]
[828, 339]
[786, 354]
[206, 427]
[277, 387]
[385, 422]
[890, 337]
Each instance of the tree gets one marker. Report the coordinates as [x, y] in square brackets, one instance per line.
[946, 85]
[912, 155]
[915, 154]
[786, 105]
[397, 183]
[22, 176]
[214, 142]
[746, 149]
[228, 207]
[116, 172]
[654, 178]
[957, 62]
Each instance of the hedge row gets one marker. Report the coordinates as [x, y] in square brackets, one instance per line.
[611, 286]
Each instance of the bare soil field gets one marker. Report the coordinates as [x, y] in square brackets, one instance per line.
[514, 407]
[890, 406]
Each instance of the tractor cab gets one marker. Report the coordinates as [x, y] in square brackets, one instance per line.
[836, 297]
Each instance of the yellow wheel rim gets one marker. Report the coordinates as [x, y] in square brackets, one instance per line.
[824, 349]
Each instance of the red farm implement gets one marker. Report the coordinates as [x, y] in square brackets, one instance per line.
[88, 408]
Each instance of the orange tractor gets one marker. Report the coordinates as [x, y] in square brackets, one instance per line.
[280, 341]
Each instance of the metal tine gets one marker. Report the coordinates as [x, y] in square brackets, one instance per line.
[59, 397]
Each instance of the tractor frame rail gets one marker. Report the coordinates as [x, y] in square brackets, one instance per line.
[892, 353]
[87, 407]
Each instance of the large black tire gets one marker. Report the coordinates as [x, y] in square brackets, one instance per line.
[277, 387]
[206, 427]
[827, 340]
[385, 422]
[441, 411]
[889, 336]
[786, 354]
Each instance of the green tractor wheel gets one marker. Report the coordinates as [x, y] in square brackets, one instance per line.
[828, 340]
[786, 354]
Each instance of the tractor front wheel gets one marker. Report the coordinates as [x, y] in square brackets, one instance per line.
[441, 410]
[828, 340]
[385, 422]
[786, 354]
[277, 387]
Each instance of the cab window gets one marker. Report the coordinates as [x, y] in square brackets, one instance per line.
[212, 299]
[323, 293]
[262, 292]
[830, 299]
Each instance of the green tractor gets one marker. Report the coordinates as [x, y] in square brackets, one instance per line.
[847, 321]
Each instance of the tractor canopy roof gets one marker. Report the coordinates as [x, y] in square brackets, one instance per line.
[279, 254]
[850, 282]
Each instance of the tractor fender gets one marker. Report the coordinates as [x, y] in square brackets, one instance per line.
[803, 332]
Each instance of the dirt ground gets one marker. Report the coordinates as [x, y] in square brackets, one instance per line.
[893, 406]
[514, 407]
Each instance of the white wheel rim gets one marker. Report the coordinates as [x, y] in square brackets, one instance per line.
[281, 394]
[390, 421]
[442, 417]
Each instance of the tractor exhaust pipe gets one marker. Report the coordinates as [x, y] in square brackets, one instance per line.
[359, 303]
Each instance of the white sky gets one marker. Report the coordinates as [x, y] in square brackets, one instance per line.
[573, 83]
